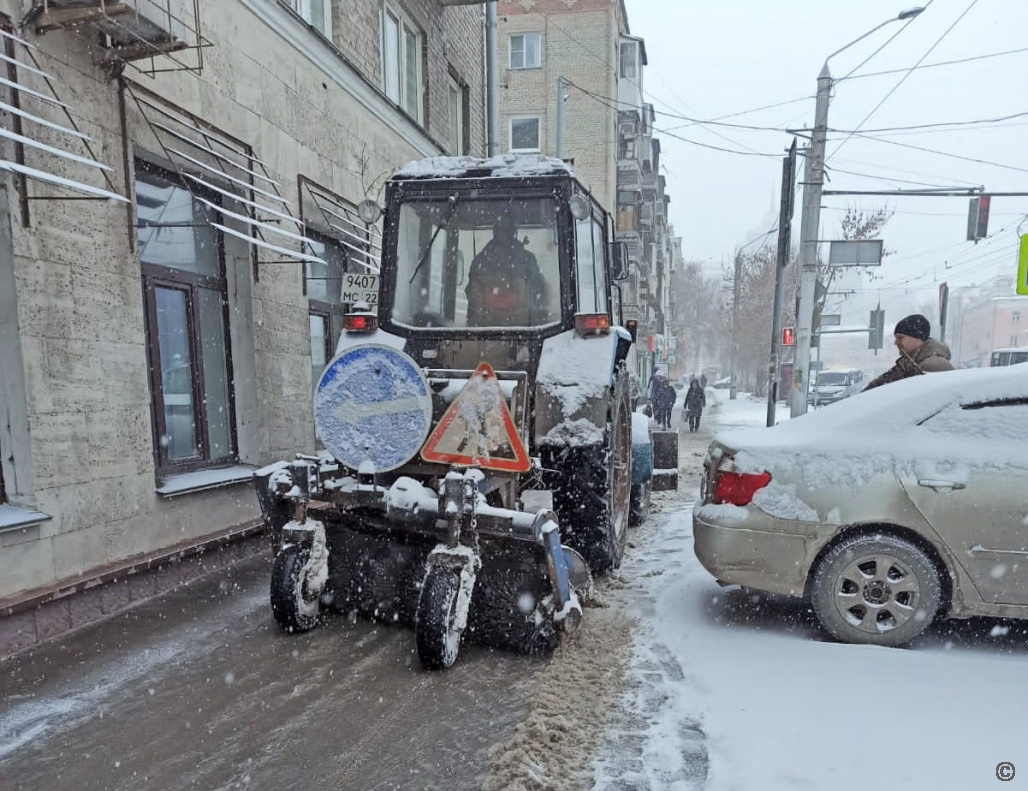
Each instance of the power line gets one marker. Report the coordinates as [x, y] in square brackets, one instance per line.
[891, 179]
[940, 153]
[613, 104]
[903, 79]
[852, 76]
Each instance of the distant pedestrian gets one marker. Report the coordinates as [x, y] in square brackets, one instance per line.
[695, 401]
[663, 402]
[919, 352]
[703, 382]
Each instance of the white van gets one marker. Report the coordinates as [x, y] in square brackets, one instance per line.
[836, 384]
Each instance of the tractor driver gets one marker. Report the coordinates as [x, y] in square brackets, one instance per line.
[505, 285]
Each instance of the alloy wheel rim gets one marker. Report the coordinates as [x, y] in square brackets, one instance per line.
[877, 593]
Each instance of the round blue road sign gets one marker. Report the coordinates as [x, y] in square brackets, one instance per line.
[373, 408]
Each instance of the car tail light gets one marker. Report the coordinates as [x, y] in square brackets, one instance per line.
[592, 323]
[734, 487]
[360, 322]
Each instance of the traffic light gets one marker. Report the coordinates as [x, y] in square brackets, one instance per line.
[978, 218]
[788, 336]
[876, 329]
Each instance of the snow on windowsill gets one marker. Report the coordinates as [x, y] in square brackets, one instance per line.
[16, 516]
[188, 482]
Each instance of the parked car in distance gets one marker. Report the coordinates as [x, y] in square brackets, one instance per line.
[836, 384]
[722, 384]
[894, 507]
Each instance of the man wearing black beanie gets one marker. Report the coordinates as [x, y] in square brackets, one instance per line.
[919, 352]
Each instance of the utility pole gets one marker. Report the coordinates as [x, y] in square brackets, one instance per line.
[810, 222]
[733, 387]
[784, 236]
[492, 81]
[560, 118]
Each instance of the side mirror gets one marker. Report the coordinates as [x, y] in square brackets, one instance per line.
[619, 260]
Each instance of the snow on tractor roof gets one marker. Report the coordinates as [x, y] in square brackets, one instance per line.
[503, 166]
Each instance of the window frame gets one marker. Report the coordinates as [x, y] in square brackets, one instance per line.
[1015, 317]
[633, 62]
[538, 134]
[303, 9]
[460, 134]
[331, 312]
[524, 50]
[404, 23]
[152, 277]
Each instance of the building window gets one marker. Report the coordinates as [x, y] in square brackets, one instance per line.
[629, 60]
[401, 66]
[1015, 316]
[317, 13]
[324, 292]
[1013, 340]
[458, 102]
[524, 134]
[186, 303]
[525, 52]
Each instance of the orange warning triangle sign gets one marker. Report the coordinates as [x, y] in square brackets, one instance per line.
[477, 429]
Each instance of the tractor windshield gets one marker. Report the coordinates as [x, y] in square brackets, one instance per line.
[483, 262]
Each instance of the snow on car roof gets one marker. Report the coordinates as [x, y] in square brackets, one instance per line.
[872, 430]
[505, 165]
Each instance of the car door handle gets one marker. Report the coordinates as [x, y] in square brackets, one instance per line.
[941, 486]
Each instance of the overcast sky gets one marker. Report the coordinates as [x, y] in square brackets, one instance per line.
[711, 59]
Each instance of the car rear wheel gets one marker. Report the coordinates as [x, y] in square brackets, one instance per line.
[879, 590]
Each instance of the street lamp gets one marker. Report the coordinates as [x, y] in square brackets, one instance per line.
[810, 221]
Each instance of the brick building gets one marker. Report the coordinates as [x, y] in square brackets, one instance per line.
[158, 332]
[608, 135]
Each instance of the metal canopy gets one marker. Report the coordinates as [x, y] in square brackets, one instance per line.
[211, 162]
[40, 162]
[338, 218]
[150, 35]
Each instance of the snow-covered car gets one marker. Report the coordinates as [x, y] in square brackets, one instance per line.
[897, 505]
[723, 384]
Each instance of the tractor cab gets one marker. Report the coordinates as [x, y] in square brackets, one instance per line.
[485, 259]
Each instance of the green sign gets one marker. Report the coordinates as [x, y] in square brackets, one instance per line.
[1022, 266]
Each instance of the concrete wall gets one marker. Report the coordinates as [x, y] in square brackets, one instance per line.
[78, 442]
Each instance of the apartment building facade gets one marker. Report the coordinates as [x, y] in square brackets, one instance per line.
[580, 54]
[985, 318]
[178, 216]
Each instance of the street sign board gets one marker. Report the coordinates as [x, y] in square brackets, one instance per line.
[855, 252]
[831, 319]
[1022, 266]
[373, 408]
[360, 287]
[477, 429]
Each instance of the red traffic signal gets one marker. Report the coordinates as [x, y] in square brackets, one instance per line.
[788, 336]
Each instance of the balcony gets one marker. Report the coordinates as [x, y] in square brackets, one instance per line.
[634, 242]
[629, 175]
[153, 35]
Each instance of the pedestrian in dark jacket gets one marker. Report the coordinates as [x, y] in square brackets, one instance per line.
[663, 401]
[695, 400]
[919, 352]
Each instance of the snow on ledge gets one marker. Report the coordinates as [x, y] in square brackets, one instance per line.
[184, 483]
[14, 516]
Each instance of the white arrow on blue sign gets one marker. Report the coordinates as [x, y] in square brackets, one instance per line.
[373, 408]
